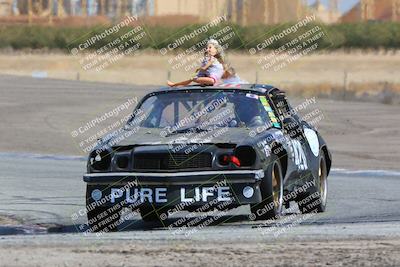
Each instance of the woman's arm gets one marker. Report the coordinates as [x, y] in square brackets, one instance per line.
[209, 63]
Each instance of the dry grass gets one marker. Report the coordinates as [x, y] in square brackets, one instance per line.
[368, 74]
[383, 92]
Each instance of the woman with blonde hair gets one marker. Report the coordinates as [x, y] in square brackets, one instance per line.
[212, 67]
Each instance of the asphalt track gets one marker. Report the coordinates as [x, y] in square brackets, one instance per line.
[41, 194]
[45, 194]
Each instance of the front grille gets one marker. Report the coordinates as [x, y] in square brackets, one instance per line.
[167, 161]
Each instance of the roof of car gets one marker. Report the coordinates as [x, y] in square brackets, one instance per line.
[259, 88]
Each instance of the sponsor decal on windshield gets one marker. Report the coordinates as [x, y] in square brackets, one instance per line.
[252, 96]
[271, 113]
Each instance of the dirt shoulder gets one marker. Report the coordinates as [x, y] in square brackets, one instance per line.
[153, 68]
[360, 252]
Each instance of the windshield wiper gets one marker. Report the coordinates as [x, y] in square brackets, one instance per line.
[194, 129]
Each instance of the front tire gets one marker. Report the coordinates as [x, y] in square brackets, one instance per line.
[271, 187]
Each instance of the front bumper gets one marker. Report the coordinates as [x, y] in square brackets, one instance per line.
[238, 187]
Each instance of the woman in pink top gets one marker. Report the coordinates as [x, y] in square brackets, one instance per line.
[212, 67]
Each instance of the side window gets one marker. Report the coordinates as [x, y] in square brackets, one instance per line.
[287, 110]
[282, 107]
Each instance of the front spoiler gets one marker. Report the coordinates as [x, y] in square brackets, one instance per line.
[236, 181]
[176, 178]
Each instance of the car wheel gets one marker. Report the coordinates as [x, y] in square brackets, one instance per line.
[149, 214]
[271, 187]
[315, 199]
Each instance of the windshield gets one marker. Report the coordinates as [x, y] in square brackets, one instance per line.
[201, 110]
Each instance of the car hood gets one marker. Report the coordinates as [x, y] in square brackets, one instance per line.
[151, 136]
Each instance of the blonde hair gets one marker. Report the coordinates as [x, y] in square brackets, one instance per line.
[220, 50]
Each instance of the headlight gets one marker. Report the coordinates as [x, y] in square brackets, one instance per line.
[246, 155]
[100, 160]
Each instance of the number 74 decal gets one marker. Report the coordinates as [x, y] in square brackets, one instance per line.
[297, 154]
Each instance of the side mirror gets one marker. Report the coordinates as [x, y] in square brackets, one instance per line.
[292, 127]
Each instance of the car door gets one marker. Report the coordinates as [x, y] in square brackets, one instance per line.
[298, 148]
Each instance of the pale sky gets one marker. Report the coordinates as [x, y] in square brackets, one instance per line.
[344, 5]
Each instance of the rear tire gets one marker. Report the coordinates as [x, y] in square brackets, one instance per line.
[315, 199]
[271, 187]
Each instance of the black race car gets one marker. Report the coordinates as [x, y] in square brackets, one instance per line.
[208, 148]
